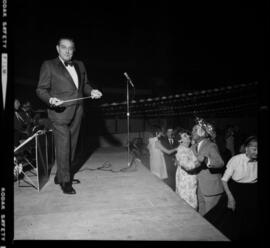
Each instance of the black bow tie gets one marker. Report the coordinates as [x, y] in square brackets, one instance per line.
[71, 63]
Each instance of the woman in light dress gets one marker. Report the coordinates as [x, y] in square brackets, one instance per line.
[157, 161]
[186, 180]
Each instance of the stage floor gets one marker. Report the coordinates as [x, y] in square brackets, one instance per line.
[109, 205]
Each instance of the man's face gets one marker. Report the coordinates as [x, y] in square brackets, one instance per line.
[65, 49]
[16, 104]
[194, 133]
[25, 107]
[169, 133]
[198, 133]
[252, 150]
[185, 138]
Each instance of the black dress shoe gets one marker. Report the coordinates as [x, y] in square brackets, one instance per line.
[67, 188]
[74, 181]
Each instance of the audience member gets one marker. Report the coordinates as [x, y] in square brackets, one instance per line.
[239, 138]
[27, 108]
[21, 124]
[186, 179]
[210, 186]
[169, 142]
[240, 185]
[229, 140]
[157, 161]
[221, 143]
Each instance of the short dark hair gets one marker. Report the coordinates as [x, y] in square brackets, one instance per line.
[184, 131]
[250, 139]
[156, 129]
[65, 37]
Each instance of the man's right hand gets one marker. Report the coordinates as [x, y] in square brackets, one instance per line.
[231, 203]
[55, 101]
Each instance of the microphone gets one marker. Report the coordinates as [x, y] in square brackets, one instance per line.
[128, 78]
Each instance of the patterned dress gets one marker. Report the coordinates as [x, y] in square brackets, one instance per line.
[186, 184]
[157, 161]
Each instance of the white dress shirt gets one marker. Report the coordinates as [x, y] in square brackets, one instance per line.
[72, 72]
[241, 170]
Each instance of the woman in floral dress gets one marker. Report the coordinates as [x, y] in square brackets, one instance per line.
[186, 181]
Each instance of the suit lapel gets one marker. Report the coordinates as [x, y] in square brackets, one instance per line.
[65, 72]
[168, 143]
[175, 143]
[165, 142]
[77, 69]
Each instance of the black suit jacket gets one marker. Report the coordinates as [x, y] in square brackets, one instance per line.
[55, 81]
[209, 179]
[169, 158]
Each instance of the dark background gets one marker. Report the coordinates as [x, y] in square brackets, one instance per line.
[165, 46]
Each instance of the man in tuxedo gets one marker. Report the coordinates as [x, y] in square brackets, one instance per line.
[169, 142]
[62, 79]
[210, 187]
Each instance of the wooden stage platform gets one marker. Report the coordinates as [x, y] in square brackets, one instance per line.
[109, 205]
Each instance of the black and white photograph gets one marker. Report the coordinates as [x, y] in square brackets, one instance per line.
[133, 121]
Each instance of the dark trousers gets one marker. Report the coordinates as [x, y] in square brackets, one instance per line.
[66, 135]
[171, 171]
[245, 222]
[242, 223]
[222, 217]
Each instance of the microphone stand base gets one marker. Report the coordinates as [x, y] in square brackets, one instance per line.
[130, 168]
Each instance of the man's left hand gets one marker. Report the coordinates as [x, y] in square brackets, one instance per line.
[96, 94]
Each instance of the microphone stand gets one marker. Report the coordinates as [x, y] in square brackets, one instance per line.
[129, 168]
[128, 116]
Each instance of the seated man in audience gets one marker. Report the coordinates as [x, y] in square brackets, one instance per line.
[21, 124]
[22, 131]
[27, 108]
